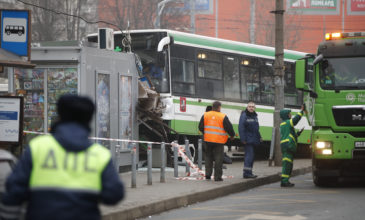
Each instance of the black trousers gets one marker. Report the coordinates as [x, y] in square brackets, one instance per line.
[214, 152]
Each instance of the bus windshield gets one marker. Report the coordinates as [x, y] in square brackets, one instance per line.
[145, 46]
[343, 73]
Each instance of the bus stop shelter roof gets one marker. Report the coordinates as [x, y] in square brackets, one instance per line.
[10, 59]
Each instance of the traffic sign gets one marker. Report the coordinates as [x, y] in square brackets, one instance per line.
[15, 31]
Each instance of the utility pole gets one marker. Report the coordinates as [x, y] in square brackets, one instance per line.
[252, 21]
[343, 16]
[278, 75]
[216, 18]
[192, 16]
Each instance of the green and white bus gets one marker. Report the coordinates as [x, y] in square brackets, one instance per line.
[191, 71]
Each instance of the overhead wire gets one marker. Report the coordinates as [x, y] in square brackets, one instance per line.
[71, 15]
[126, 37]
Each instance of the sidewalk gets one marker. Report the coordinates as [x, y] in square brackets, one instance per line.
[146, 200]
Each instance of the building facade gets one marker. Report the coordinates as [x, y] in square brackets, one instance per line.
[306, 21]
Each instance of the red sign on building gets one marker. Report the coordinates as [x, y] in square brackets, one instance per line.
[358, 5]
[182, 104]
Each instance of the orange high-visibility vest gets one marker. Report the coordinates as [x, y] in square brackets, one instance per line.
[213, 127]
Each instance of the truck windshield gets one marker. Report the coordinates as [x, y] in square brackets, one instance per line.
[343, 73]
[145, 46]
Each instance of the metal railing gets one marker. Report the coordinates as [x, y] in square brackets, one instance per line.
[133, 145]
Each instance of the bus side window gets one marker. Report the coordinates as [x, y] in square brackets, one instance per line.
[182, 76]
[291, 97]
[250, 79]
[231, 78]
[267, 95]
[209, 82]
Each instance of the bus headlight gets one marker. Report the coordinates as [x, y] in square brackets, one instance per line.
[323, 144]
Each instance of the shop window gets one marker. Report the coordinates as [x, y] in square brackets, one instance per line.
[3, 79]
[60, 81]
[29, 83]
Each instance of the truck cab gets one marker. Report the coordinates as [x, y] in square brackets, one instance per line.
[333, 82]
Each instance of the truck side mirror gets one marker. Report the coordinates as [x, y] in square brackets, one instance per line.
[325, 64]
[313, 94]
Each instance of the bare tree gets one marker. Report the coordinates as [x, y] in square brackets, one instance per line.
[60, 20]
[141, 14]
[136, 13]
[265, 26]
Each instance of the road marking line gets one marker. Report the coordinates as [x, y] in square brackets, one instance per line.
[279, 194]
[283, 201]
[211, 217]
[241, 210]
[267, 217]
[303, 190]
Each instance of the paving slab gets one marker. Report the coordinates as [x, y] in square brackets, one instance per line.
[146, 200]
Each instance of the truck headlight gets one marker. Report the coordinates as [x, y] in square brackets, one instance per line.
[323, 144]
[327, 151]
[324, 147]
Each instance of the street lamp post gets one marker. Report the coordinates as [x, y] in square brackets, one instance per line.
[160, 7]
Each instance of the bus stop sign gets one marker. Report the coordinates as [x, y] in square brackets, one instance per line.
[15, 31]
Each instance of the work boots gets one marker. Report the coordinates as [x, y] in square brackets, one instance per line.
[287, 184]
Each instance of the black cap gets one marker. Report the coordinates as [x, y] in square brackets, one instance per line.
[74, 108]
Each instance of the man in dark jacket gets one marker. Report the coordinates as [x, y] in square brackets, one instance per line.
[215, 126]
[248, 128]
[63, 175]
[288, 143]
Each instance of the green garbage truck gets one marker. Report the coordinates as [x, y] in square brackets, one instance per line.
[333, 85]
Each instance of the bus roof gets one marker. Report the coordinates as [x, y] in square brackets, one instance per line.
[236, 47]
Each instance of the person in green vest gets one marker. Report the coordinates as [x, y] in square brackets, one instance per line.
[288, 143]
[63, 175]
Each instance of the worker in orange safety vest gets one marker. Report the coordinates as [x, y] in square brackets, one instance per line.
[215, 126]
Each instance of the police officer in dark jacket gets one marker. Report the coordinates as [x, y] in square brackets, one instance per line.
[63, 175]
[248, 128]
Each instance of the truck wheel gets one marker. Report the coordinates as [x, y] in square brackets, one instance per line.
[324, 181]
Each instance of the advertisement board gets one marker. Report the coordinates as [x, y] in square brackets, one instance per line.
[201, 6]
[103, 107]
[356, 7]
[11, 120]
[315, 7]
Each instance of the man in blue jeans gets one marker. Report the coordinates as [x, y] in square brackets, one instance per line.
[250, 136]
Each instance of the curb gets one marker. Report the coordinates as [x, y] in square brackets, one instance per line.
[177, 202]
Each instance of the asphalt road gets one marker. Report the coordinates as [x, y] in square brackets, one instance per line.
[304, 201]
